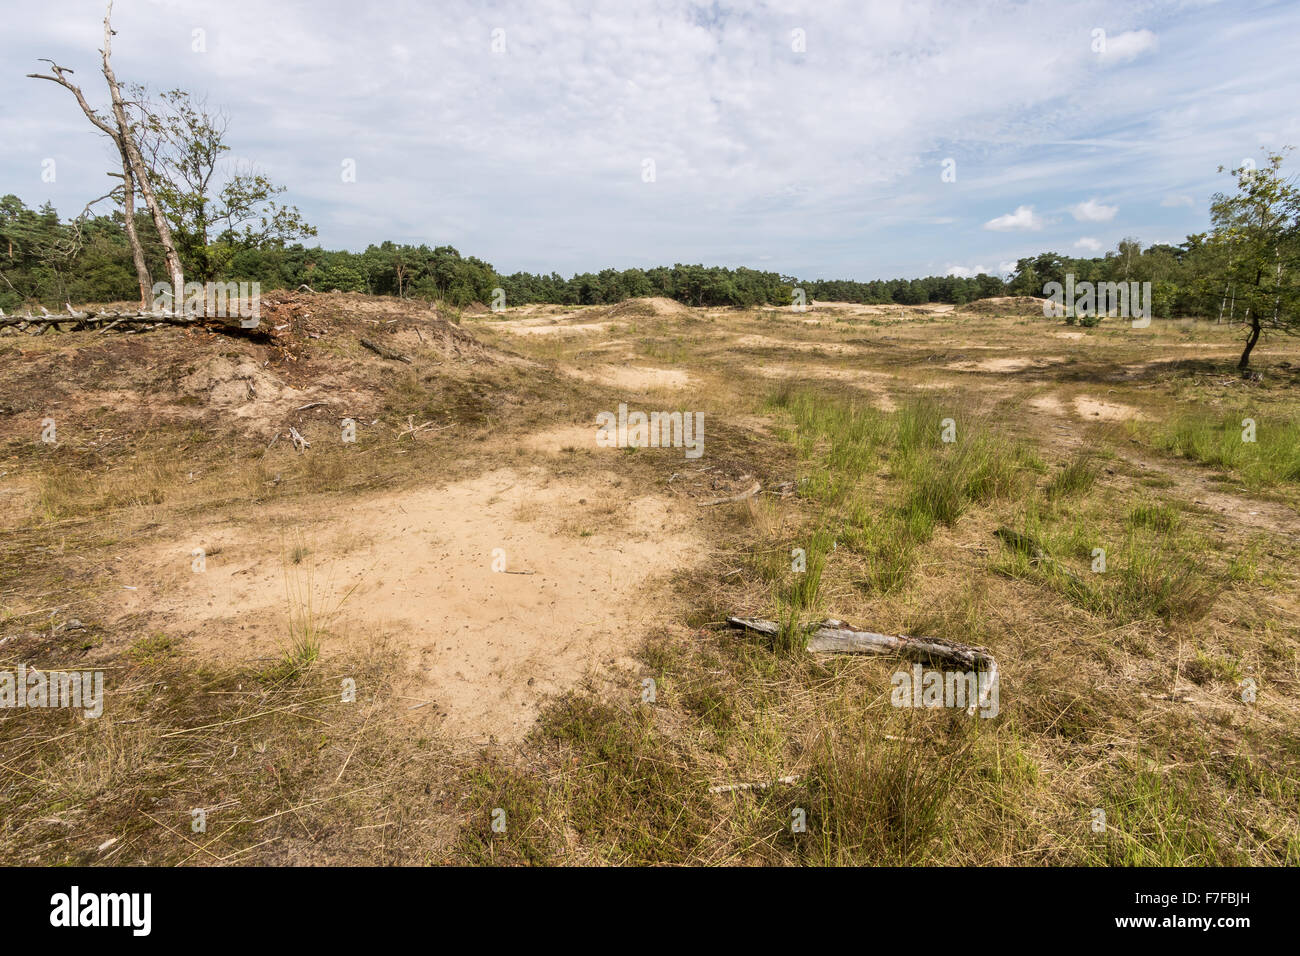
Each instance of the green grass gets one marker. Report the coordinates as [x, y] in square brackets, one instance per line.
[1077, 477]
[890, 479]
[1151, 572]
[1274, 455]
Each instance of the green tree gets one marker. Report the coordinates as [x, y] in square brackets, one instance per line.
[214, 210]
[1259, 227]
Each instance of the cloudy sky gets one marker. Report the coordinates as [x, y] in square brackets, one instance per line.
[807, 138]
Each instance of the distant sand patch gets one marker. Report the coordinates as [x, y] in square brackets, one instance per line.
[633, 377]
[1089, 408]
[1003, 365]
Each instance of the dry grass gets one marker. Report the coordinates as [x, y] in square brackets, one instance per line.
[1122, 688]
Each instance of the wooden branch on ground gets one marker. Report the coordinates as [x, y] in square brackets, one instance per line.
[747, 493]
[836, 637]
[385, 352]
[733, 787]
[299, 442]
[101, 322]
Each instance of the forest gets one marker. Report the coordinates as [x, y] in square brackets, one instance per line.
[47, 260]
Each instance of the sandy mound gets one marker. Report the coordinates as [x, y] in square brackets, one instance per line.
[655, 307]
[1006, 305]
[241, 389]
[581, 562]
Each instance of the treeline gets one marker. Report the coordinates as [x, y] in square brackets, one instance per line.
[1186, 280]
[45, 260]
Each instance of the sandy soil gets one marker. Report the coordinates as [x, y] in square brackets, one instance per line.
[582, 562]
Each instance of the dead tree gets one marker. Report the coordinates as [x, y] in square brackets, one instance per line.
[134, 173]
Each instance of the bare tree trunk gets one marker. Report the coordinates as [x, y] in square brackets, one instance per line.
[1251, 339]
[137, 251]
[138, 171]
[120, 137]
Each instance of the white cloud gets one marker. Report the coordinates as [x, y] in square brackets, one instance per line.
[962, 272]
[1088, 244]
[1123, 47]
[1022, 218]
[1175, 200]
[1093, 211]
[531, 159]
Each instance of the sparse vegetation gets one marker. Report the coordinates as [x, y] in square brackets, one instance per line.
[896, 526]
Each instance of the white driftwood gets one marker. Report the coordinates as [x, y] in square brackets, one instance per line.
[733, 787]
[837, 637]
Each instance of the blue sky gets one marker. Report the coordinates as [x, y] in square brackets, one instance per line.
[805, 138]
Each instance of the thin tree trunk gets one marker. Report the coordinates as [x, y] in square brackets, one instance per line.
[1251, 339]
[128, 199]
[139, 171]
[137, 251]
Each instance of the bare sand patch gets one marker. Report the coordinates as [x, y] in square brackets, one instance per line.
[529, 327]
[564, 438]
[583, 566]
[1003, 365]
[1047, 403]
[1089, 408]
[633, 377]
[765, 341]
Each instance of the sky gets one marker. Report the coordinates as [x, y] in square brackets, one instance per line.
[819, 140]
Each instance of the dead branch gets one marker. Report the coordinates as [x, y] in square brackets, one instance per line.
[136, 321]
[836, 637]
[748, 493]
[732, 787]
[385, 352]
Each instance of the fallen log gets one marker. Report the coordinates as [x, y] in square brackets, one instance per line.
[383, 351]
[837, 637]
[136, 321]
